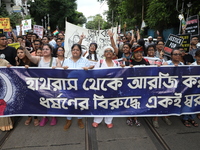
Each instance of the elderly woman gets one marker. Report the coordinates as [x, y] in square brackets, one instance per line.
[106, 63]
[76, 61]
[46, 61]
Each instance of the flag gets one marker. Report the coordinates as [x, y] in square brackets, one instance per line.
[55, 32]
[143, 25]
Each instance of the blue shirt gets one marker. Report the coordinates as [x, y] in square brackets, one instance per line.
[169, 62]
[81, 62]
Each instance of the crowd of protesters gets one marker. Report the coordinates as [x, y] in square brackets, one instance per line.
[49, 51]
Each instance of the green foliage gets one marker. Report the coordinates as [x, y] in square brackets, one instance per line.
[15, 19]
[58, 10]
[161, 14]
[158, 14]
[3, 12]
[96, 22]
[125, 11]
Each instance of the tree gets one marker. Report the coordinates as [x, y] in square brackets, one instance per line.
[97, 22]
[58, 12]
[161, 14]
[15, 18]
[158, 14]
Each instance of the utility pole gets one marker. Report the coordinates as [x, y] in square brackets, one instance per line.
[142, 10]
[181, 13]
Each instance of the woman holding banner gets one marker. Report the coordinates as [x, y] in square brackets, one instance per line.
[176, 61]
[76, 61]
[60, 51]
[106, 63]
[46, 61]
[22, 60]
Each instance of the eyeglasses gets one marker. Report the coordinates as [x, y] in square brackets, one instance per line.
[77, 50]
[195, 39]
[3, 39]
[107, 51]
[176, 54]
[60, 50]
[160, 44]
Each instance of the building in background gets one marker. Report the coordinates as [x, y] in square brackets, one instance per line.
[16, 6]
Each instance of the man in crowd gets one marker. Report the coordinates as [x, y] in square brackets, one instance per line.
[149, 42]
[193, 45]
[7, 52]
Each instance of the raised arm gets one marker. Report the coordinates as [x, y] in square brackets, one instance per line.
[13, 35]
[20, 32]
[33, 59]
[132, 37]
[138, 34]
[110, 33]
[81, 39]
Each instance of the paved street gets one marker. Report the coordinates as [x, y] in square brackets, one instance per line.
[121, 137]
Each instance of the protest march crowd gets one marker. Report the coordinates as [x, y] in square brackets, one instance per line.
[128, 50]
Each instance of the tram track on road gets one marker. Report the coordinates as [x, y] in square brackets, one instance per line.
[157, 135]
[91, 142]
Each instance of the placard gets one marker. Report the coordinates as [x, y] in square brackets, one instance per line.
[186, 41]
[5, 24]
[192, 25]
[172, 42]
[38, 30]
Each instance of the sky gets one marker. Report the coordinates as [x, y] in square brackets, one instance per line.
[91, 7]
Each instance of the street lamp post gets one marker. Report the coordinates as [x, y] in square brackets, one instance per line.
[42, 22]
[45, 24]
[48, 27]
[181, 13]
[188, 5]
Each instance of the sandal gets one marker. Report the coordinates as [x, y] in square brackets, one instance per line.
[193, 123]
[28, 121]
[137, 123]
[186, 123]
[36, 122]
[129, 122]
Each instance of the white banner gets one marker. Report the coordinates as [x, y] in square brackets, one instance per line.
[73, 33]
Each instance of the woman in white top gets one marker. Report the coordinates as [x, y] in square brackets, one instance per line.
[46, 61]
[106, 63]
[60, 51]
[92, 53]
